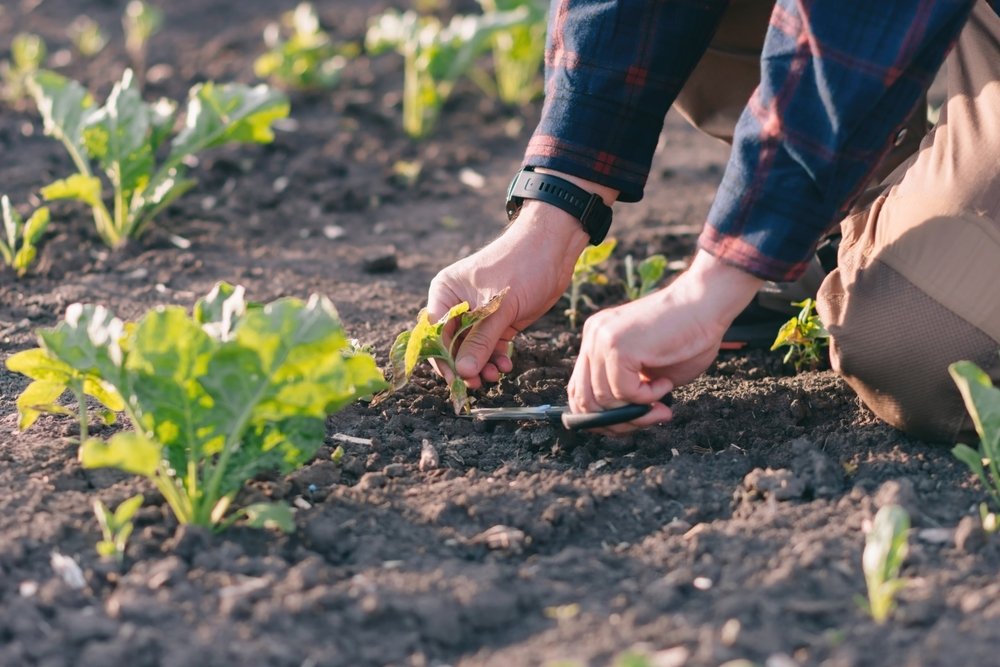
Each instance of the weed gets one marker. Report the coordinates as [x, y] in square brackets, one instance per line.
[21, 245]
[645, 278]
[886, 547]
[804, 335]
[116, 527]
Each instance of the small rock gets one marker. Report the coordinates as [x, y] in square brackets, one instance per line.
[429, 459]
[333, 232]
[900, 492]
[394, 470]
[372, 480]
[380, 261]
[780, 660]
[501, 538]
[779, 484]
[969, 535]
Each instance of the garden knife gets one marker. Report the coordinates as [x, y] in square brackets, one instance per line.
[560, 414]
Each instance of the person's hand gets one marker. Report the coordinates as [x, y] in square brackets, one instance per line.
[534, 258]
[638, 352]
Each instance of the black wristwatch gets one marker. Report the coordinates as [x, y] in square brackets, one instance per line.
[587, 207]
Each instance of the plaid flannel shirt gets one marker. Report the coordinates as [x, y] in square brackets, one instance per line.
[838, 79]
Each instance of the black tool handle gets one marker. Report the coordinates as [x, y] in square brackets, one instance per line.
[585, 420]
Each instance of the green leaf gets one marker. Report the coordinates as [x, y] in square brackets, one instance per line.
[422, 332]
[129, 452]
[86, 189]
[270, 515]
[64, 106]
[217, 115]
[36, 226]
[982, 399]
[87, 340]
[397, 360]
[127, 509]
[594, 255]
[651, 271]
[117, 136]
[38, 364]
[106, 548]
[219, 312]
[39, 397]
[27, 51]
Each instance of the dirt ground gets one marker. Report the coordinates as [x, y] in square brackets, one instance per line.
[735, 532]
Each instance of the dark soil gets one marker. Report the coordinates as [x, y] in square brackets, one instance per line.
[734, 532]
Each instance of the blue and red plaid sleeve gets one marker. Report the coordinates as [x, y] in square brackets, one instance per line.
[837, 81]
[612, 71]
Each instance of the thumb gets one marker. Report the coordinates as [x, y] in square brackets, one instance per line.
[480, 343]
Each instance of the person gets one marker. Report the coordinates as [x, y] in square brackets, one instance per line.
[812, 96]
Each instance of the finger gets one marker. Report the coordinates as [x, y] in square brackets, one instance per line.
[480, 343]
[442, 369]
[632, 386]
[581, 397]
[501, 356]
[490, 373]
[601, 388]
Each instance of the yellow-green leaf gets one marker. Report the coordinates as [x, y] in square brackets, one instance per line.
[38, 397]
[105, 393]
[418, 334]
[130, 452]
[38, 364]
[79, 187]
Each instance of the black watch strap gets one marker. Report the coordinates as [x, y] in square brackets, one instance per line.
[587, 207]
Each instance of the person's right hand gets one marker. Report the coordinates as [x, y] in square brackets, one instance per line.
[534, 258]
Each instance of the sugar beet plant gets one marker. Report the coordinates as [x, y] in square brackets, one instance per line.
[643, 278]
[587, 270]
[518, 51]
[804, 335]
[214, 398]
[301, 54]
[435, 56]
[20, 246]
[123, 136]
[886, 547]
[427, 340]
[27, 53]
[982, 400]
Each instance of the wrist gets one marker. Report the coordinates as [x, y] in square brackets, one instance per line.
[590, 207]
[727, 287]
[550, 226]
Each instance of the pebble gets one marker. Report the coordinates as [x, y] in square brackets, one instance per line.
[394, 470]
[969, 535]
[372, 480]
[429, 459]
[383, 260]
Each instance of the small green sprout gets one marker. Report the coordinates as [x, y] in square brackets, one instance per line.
[805, 336]
[587, 271]
[982, 400]
[435, 56]
[123, 136]
[426, 341]
[140, 22]
[306, 59]
[27, 53]
[518, 51]
[886, 547]
[116, 527]
[86, 35]
[644, 279]
[20, 247]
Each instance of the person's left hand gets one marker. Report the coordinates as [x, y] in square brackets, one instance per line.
[640, 351]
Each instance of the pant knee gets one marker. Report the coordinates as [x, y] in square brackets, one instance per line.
[893, 344]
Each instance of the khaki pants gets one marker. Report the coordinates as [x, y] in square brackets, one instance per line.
[918, 279]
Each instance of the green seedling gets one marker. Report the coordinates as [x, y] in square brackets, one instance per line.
[645, 278]
[426, 340]
[435, 56]
[20, 247]
[304, 57]
[214, 398]
[518, 51]
[86, 35]
[982, 400]
[885, 550]
[587, 270]
[123, 136]
[140, 22]
[804, 335]
[116, 527]
[27, 53]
